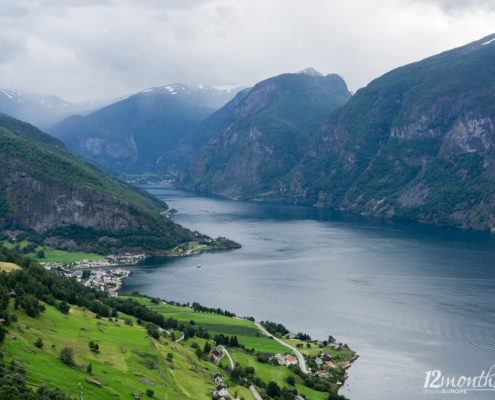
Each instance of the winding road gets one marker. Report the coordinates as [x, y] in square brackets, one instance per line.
[300, 358]
[224, 350]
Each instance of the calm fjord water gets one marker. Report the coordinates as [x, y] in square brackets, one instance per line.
[407, 298]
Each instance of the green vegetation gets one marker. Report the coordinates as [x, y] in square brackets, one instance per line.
[126, 346]
[263, 134]
[111, 214]
[68, 257]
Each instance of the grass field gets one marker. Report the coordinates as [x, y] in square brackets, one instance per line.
[119, 364]
[52, 255]
[7, 266]
[246, 332]
[67, 257]
[130, 362]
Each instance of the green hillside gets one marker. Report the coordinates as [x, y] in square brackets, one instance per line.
[52, 194]
[58, 334]
[416, 143]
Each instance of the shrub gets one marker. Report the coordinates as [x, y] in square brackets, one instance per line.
[67, 356]
[94, 347]
[63, 307]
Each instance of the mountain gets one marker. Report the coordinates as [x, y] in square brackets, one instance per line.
[53, 195]
[144, 133]
[417, 143]
[261, 134]
[41, 111]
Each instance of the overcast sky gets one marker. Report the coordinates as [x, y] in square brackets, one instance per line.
[85, 49]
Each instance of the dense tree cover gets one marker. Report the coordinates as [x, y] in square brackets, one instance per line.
[274, 328]
[231, 341]
[199, 308]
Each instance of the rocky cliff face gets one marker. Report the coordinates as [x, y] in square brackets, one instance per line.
[417, 143]
[264, 135]
[46, 189]
[51, 205]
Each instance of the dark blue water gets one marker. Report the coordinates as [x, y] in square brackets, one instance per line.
[408, 298]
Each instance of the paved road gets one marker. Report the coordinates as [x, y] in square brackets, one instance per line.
[255, 393]
[224, 350]
[300, 358]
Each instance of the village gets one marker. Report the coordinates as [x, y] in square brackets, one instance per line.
[100, 274]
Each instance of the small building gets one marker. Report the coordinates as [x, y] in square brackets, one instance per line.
[318, 361]
[326, 357]
[13, 294]
[221, 391]
[218, 379]
[289, 360]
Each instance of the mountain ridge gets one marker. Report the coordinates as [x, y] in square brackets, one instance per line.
[51, 193]
[416, 143]
[264, 132]
[142, 133]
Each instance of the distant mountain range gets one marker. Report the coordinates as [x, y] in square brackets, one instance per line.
[41, 111]
[417, 143]
[151, 132]
[56, 197]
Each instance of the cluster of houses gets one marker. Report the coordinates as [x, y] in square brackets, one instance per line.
[108, 261]
[323, 363]
[286, 359]
[109, 279]
[220, 391]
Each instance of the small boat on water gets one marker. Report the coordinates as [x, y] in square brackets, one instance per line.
[198, 266]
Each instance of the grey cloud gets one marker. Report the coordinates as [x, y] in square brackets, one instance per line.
[459, 5]
[83, 49]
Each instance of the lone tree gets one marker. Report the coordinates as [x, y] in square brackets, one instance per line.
[94, 347]
[67, 356]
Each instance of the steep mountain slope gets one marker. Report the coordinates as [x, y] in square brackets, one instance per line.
[264, 134]
[59, 338]
[47, 190]
[42, 111]
[416, 143]
[143, 133]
